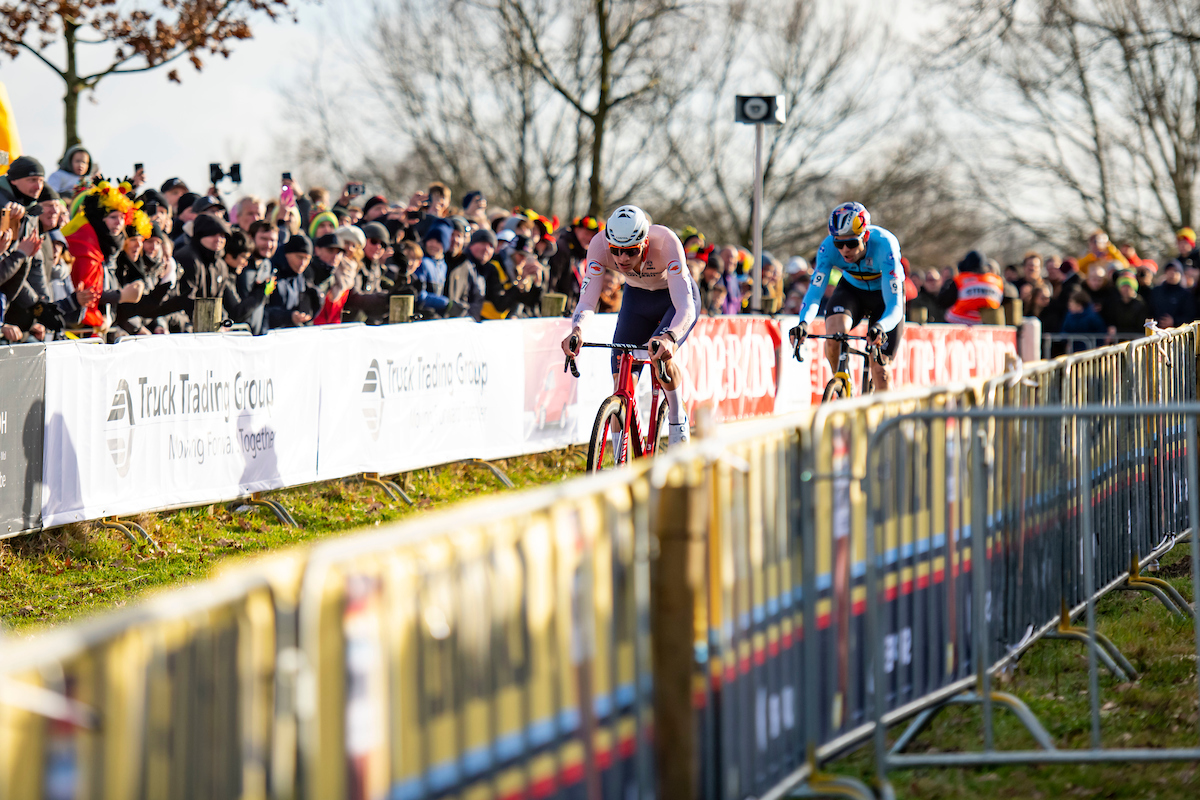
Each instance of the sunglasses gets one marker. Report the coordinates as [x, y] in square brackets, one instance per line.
[625, 251]
[842, 244]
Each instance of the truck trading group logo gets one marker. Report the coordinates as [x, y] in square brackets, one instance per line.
[372, 400]
[119, 428]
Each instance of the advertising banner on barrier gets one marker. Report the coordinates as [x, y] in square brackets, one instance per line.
[400, 397]
[22, 408]
[930, 355]
[733, 364]
[176, 420]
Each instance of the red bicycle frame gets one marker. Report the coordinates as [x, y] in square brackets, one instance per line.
[625, 393]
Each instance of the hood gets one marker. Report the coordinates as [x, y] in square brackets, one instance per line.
[64, 163]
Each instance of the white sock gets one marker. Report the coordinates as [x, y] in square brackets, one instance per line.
[674, 407]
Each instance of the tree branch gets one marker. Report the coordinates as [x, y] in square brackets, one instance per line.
[62, 74]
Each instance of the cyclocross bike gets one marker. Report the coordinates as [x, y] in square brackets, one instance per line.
[839, 385]
[617, 431]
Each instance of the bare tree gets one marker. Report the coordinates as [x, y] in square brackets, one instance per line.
[1093, 104]
[915, 191]
[826, 67]
[140, 40]
[603, 57]
[437, 94]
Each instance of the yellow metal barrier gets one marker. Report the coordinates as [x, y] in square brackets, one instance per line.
[507, 649]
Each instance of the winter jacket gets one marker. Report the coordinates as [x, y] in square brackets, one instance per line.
[64, 180]
[1174, 301]
[292, 293]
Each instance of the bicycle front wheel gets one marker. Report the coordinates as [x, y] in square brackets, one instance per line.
[836, 389]
[607, 447]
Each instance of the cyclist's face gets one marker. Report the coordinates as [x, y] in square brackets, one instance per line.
[625, 259]
[853, 253]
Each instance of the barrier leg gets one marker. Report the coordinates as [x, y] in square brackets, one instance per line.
[495, 471]
[117, 524]
[825, 785]
[393, 490]
[281, 513]
[1078, 635]
[1004, 699]
[1167, 594]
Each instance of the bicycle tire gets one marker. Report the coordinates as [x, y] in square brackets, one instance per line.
[600, 455]
[835, 390]
[664, 432]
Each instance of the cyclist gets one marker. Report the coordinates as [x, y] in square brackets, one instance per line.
[872, 287]
[660, 302]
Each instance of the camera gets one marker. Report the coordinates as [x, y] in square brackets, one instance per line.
[215, 173]
[355, 189]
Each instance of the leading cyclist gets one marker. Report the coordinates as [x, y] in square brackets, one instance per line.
[659, 304]
[872, 287]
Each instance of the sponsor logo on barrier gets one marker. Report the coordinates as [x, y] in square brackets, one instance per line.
[422, 374]
[119, 428]
[372, 408]
[180, 398]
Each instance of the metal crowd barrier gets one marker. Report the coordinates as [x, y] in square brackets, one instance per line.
[1054, 344]
[712, 624]
[1057, 519]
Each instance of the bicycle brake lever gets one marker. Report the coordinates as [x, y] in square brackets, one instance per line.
[570, 364]
[796, 352]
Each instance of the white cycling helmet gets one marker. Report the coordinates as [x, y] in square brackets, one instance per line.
[627, 227]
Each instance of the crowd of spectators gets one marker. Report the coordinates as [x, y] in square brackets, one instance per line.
[1106, 294]
[81, 255]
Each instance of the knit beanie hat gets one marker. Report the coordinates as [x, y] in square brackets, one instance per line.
[324, 216]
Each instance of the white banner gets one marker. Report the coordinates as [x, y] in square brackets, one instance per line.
[171, 421]
[403, 397]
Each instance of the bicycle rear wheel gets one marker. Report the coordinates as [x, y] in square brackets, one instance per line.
[607, 433]
[836, 389]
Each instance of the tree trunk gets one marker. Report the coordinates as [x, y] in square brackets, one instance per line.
[595, 186]
[74, 87]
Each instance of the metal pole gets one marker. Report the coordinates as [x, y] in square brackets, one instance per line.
[979, 587]
[1085, 526]
[875, 635]
[1193, 490]
[756, 292]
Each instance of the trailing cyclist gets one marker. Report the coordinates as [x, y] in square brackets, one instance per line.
[659, 304]
[871, 287]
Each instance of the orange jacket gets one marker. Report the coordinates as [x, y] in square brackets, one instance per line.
[976, 290]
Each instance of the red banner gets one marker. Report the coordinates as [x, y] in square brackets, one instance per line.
[929, 355]
[732, 363]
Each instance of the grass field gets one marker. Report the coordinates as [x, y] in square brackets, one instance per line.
[1157, 710]
[66, 573]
